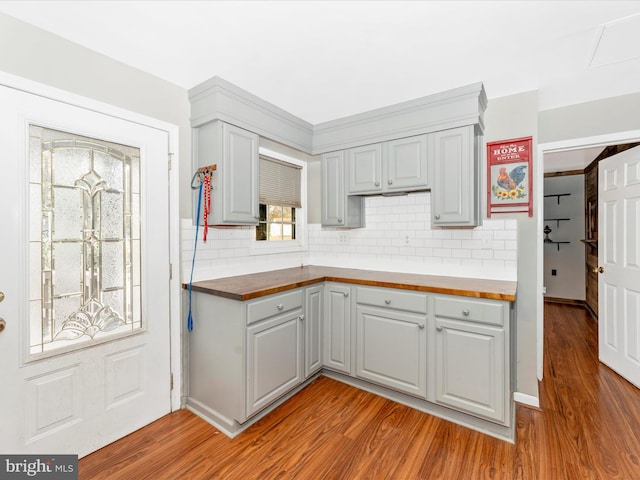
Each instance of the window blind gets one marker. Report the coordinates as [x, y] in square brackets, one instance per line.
[279, 183]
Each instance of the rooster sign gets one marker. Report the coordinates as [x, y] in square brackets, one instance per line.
[509, 180]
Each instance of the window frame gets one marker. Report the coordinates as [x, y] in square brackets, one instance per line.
[300, 244]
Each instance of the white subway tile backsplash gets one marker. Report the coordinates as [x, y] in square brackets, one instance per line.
[398, 237]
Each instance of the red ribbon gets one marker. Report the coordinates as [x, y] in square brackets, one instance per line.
[206, 196]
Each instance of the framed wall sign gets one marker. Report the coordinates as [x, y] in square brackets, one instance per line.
[509, 176]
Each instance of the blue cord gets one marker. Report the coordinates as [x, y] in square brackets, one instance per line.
[193, 261]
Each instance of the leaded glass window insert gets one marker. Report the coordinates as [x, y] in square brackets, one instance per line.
[84, 240]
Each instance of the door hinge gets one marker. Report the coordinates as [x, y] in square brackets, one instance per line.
[171, 271]
[171, 382]
[170, 160]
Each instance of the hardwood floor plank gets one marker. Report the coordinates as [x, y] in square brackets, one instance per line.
[587, 427]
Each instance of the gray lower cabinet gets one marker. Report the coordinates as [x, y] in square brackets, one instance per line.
[243, 356]
[313, 319]
[234, 186]
[391, 339]
[472, 356]
[338, 208]
[274, 358]
[456, 174]
[337, 327]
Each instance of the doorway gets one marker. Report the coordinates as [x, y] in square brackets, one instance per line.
[68, 397]
[596, 142]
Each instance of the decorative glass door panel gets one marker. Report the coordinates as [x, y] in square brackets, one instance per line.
[84, 240]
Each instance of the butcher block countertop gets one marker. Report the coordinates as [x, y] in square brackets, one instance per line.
[246, 287]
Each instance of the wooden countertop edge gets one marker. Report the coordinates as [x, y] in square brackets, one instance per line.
[494, 295]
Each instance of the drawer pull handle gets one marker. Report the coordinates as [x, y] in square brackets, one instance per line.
[301, 317]
[439, 328]
[280, 306]
[346, 294]
[377, 184]
[437, 216]
[465, 312]
[389, 182]
[339, 220]
[421, 326]
[387, 302]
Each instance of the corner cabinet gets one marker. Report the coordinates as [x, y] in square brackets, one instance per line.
[313, 318]
[472, 356]
[338, 209]
[455, 197]
[234, 185]
[337, 327]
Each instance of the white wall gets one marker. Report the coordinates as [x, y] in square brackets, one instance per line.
[514, 117]
[568, 260]
[32, 53]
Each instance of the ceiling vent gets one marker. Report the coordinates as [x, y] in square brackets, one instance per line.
[616, 41]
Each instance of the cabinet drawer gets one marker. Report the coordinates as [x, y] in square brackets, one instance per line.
[483, 311]
[390, 298]
[273, 305]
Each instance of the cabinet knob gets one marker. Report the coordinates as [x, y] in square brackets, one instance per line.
[439, 328]
[377, 184]
[465, 312]
[346, 294]
[421, 326]
[387, 302]
[280, 306]
[301, 317]
[389, 182]
[339, 220]
[437, 216]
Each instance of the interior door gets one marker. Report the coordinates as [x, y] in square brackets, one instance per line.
[619, 263]
[84, 275]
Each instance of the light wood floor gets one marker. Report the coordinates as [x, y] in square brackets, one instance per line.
[588, 428]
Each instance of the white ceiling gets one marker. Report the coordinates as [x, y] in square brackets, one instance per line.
[570, 159]
[325, 60]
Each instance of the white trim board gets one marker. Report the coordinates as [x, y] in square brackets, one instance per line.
[525, 399]
[52, 93]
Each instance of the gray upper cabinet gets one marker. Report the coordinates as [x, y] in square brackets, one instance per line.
[365, 169]
[234, 186]
[406, 164]
[455, 196]
[338, 209]
[396, 166]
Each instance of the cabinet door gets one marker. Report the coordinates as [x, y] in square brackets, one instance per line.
[392, 349]
[337, 328]
[274, 359]
[406, 165]
[338, 209]
[454, 192]
[333, 194]
[313, 330]
[239, 176]
[470, 368]
[365, 169]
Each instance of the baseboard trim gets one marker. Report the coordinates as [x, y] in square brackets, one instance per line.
[526, 399]
[569, 301]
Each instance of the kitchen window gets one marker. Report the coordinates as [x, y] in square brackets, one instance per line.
[282, 213]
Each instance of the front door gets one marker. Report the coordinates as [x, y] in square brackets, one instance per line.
[84, 276]
[619, 263]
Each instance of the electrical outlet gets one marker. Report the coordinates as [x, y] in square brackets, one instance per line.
[554, 272]
[544, 290]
